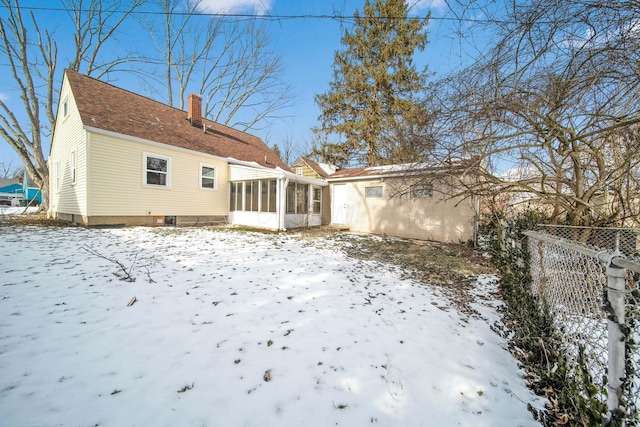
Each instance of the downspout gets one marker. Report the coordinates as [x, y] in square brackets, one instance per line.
[283, 182]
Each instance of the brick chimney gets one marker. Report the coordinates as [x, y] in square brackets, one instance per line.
[194, 114]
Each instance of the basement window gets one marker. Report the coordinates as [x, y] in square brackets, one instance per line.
[157, 171]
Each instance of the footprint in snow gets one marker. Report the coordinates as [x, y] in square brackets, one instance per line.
[393, 383]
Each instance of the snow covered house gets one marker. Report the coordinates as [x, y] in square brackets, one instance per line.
[120, 158]
[413, 201]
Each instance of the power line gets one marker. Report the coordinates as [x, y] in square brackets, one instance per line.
[256, 16]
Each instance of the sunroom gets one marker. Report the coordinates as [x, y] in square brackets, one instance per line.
[273, 198]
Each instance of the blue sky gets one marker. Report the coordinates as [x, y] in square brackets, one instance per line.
[306, 45]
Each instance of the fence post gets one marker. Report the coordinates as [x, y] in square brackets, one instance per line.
[616, 277]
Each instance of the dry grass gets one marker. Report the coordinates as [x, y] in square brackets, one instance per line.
[30, 219]
[450, 266]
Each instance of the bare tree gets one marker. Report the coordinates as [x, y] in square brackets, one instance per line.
[551, 112]
[229, 62]
[8, 171]
[287, 149]
[31, 52]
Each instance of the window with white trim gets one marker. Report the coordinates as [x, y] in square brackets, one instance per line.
[373, 192]
[56, 178]
[72, 167]
[235, 196]
[268, 190]
[316, 199]
[207, 176]
[297, 198]
[251, 196]
[421, 191]
[156, 171]
[65, 106]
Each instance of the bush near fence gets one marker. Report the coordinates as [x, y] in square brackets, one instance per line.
[574, 397]
[588, 278]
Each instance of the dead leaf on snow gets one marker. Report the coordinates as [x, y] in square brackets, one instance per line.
[186, 387]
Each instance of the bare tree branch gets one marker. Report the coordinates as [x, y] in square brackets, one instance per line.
[32, 56]
[552, 110]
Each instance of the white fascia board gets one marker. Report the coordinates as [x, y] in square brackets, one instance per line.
[148, 142]
[362, 177]
[251, 165]
[406, 174]
[305, 179]
[277, 172]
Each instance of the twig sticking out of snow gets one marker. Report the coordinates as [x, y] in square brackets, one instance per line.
[186, 387]
[124, 273]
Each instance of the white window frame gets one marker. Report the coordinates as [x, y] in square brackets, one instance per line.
[299, 170]
[72, 167]
[372, 192]
[65, 106]
[314, 201]
[265, 183]
[215, 176]
[56, 178]
[146, 155]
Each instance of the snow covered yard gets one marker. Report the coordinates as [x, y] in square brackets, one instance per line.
[231, 328]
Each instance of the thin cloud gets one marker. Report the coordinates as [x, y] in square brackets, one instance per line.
[417, 5]
[260, 7]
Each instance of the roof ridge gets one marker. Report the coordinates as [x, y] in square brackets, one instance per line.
[122, 89]
[209, 121]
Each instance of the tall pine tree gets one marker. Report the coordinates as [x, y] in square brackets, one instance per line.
[375, 83]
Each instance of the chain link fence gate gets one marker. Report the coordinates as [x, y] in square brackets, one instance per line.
[590, 277]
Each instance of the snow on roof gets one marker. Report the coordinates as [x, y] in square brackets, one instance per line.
[402, 169]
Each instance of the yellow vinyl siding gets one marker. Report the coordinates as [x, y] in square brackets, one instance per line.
[306, 170]
[116, 181]
[69, 137]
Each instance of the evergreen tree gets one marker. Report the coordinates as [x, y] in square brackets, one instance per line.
[375, 83]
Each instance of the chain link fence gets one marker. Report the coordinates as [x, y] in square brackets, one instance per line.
[590, 279]
[625, 241]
